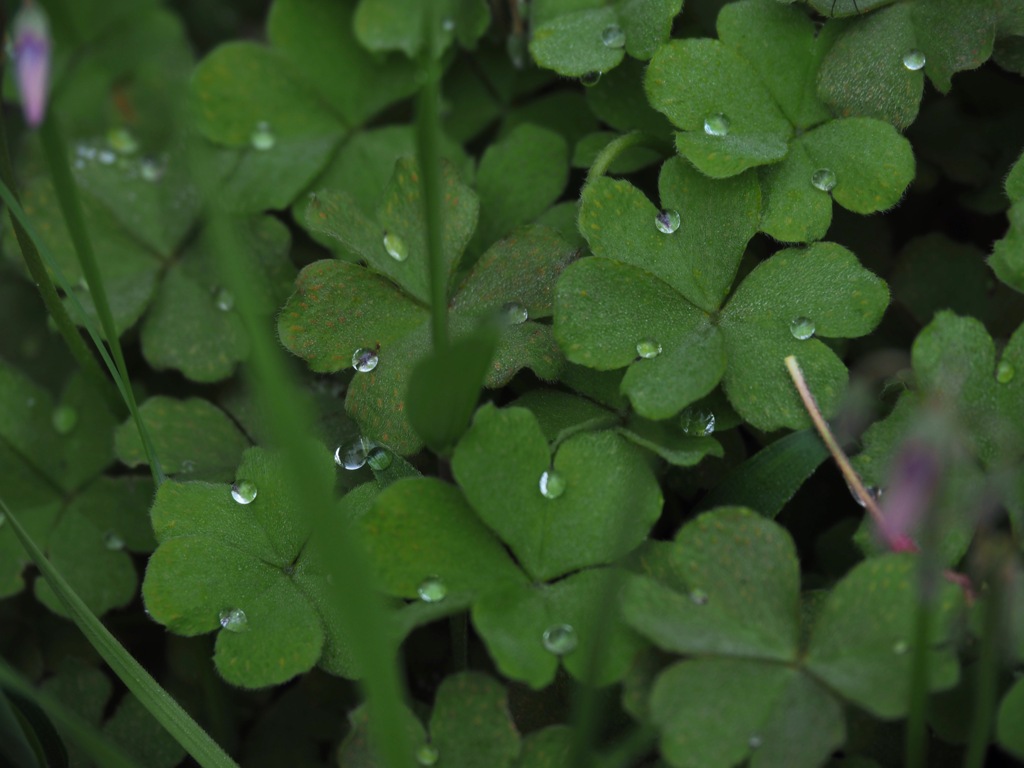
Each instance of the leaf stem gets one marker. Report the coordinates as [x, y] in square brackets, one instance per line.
[916, 744]
[74, 216]
[620, 144]
[428, 142]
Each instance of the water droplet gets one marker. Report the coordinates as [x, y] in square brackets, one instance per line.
[151, 170]
[365, 360]
[590, 79]
[432, 590]
[262, 138]
[427, 755]
[122, 141]
[379, 459]
[697, 422]
[112, 541]
[873, 492]
[667, 221]
[698, 597]
[823, 179]
[716, 125]
[754, 742]
[1005, 372]
[106, 157]
[648, 348]
[900, 647]
[560, 639]
[395, 246]
[448, 24]
[914, 60]
[234, 620]
[354, 456]
[244, 491]
[552, 484]
[224, 300]
[613, 36]
[64, 419]
[187, 465]
[802, 328]
[514, 314]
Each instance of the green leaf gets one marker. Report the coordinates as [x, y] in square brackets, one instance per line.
[15, 745]
[513, 622]
[355, 751]
[728, 585]
[699, 259]
[548, 747]
[670, 442]
[398, 25]
[769, 479]
[445, 386]
[477, 698]
[860, 645]
[499, 464]
[618, 100]
[519, 178]
[560, 414]
[1011, 715]
[174, 426]
[239, 568]
[142, 737]
[192, 326]
[422, 528]
[718, 712]
[1007, 259]
[824, 284]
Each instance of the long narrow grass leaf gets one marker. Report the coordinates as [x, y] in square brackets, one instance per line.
[86, 736]
[175, 720]
[15, 747]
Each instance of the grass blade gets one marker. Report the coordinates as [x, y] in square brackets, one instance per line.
[175, 720]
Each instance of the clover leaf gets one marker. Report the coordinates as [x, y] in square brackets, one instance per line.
[747, 100]
[876, 65]
[657, 308]
[575, 38]
[726, 593]
[372, 318]
[389, 25]
[233, 558]
[1007, 259]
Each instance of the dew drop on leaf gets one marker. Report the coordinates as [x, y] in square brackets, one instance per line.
[698, 597]
[395, 246]
[754, 741]
[432, 590]
[448, 24]
[900, 647]
[234, 620]
[365, 360]
[874, 492]
[427, 755]
[667, 221]
[697, 422]
[914, 60]
[106, 157]
[64, 419]
[514, 313]
[590, 79]
[552, 484]
[379, 459]
[1005, 372]
[613, 36]
[151, 170]
[802, 328]
[262, 137]
[224, 300]
[648, 348]
[560, 639]
[716, 125]
[122, 141]
[354, 456]
[823, 179]
[244, 491]
[187, 465]
[112, 541]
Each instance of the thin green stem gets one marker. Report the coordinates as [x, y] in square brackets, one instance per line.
[617, 146]
[161, 705]
[74, 217]
[428, 141]
[987, 686]
[590, 425]
[916, 745]
[48, 293]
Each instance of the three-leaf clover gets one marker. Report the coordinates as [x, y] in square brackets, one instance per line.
[748, 100]
[654, 298]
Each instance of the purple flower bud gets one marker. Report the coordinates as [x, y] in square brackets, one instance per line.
[32, 61]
